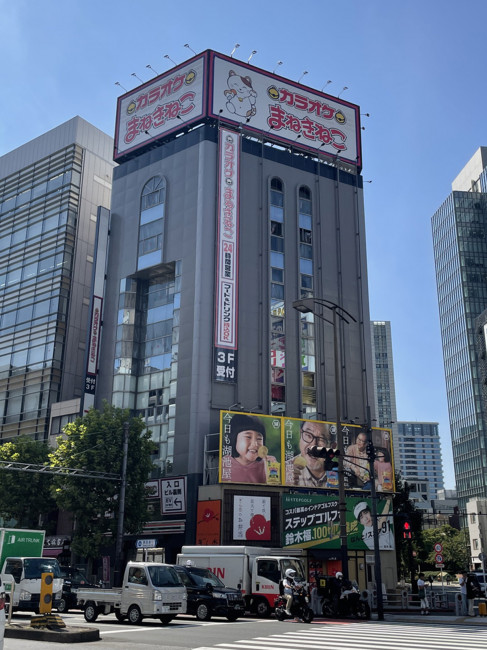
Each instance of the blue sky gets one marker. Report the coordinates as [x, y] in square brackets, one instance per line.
[417, 67]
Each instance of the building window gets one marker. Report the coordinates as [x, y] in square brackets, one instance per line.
[307, 329]
[151, 224]
[277, 257]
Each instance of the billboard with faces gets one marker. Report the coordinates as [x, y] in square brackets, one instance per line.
[272, 450]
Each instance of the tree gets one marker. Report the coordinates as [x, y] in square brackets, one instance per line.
[95, 442]
[25, 497]
[406, 549]
[456, 551]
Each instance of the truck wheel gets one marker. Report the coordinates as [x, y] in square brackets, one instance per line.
[262, 608]
[134, 615]
[203, 612]
[119, 616]
[232, 617]
[91, 612]
[165, 620]
[62, 606]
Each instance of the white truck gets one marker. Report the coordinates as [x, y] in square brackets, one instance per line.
[256, 571]
[23, 579]
[149, 590]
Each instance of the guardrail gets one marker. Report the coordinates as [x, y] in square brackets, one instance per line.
[403, 599]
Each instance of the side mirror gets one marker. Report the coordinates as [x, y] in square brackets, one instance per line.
[209, 587]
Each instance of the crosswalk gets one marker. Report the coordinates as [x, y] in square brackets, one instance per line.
[366, 636]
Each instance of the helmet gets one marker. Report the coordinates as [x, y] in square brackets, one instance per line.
[338, 574]
[290, 573]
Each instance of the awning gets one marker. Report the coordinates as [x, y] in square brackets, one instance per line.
[51, 552]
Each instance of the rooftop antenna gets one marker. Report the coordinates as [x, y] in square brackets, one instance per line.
[166, 56]
[344, 88]
[189, 47]
[235, 47]
[277, 65]
[134, 75]
[328, 82]
[251, 55]
[305, 72]
[151, 68]
[117, 83]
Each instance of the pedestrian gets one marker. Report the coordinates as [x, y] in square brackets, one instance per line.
[473, 592]
[463, 591]
[422, 595]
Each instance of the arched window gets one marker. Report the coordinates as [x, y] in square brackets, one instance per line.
[151, 225]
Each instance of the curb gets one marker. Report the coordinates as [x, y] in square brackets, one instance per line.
[63, 635]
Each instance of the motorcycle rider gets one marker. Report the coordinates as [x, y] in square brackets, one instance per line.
[289, 586]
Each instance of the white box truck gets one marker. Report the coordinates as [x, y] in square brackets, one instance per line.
[256, 571]
[149, 590]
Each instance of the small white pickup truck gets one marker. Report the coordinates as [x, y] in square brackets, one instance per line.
[149, 590]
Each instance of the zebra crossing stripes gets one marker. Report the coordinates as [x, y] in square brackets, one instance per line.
[366, 636]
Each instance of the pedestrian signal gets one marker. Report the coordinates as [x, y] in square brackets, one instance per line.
[406, 530]
[328, 453]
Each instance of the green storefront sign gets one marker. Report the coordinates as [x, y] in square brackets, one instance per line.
[20, 543]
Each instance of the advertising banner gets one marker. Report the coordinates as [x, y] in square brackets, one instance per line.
[291, 112]
[208, 519]
[311, 521]
[94, 345]
[227, 258]
[250, 448]
[252, 518]
[273, 450]
[160, 106]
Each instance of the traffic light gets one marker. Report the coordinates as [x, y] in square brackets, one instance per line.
[328, 453]
[45, 604]
[406, 529]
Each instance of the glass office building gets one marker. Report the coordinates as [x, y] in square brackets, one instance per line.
[383, 373]
[50, 189]
[460, 248]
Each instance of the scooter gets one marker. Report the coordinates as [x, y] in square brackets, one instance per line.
[299, 609]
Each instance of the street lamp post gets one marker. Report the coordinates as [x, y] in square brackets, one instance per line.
[375, 531]
[307, 305]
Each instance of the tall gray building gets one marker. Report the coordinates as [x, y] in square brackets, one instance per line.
[419, 461]
[235, 196]
[50, 189]
[460, 249]
[383, 373]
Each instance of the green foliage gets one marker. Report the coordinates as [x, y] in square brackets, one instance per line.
[456, 552]
[95, 443]
[406, 550]
[25, 497]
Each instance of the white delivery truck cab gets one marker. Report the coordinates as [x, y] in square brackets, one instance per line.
[149, 590]
[25, 576]
[255, 570]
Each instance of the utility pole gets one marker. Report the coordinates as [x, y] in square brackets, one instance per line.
[121, 509]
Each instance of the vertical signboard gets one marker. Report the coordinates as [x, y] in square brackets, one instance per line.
[225, 360]
[252, 518]
[173, 492]
[94, 345]
[208, 520]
